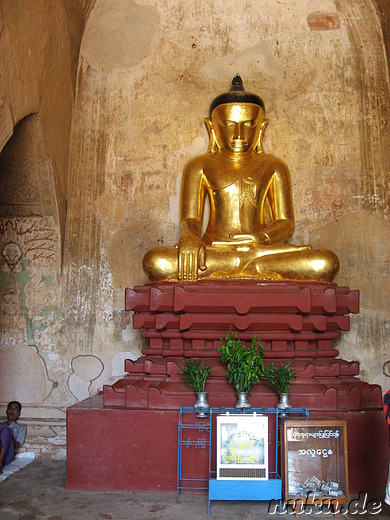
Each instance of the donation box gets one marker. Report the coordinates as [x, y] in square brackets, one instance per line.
[315, 460]
[242, 447]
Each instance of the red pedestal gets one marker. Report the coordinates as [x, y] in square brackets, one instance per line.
[136, 420]
[122, 449]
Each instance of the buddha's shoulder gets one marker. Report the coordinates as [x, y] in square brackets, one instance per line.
[199, 159]
[269, 158]
[209, 161]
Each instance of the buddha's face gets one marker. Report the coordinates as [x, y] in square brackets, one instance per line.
[237, 126]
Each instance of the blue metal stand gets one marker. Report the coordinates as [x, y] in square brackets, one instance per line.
[244, 489]
[270, 489]
[196, 427]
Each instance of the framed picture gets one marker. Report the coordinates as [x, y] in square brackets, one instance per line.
[315, 460]
[242, 447]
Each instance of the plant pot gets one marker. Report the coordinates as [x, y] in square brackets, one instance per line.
[283, 404]
[242, 401]
[201, 405]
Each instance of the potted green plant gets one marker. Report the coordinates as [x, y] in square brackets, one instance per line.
[279, 378]
[195, 374]
[244, 364]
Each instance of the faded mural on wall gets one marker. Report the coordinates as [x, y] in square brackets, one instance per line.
[29, 314]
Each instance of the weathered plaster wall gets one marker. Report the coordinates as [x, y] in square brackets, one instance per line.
[39, 49]
[147, 72]
[40, 60]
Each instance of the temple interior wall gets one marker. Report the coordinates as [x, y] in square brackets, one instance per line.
[101, 106]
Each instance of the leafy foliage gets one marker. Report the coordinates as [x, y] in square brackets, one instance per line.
[244, 364]
[195, 374]
[279, 377]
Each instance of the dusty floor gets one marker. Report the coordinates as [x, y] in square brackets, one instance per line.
[38, 492]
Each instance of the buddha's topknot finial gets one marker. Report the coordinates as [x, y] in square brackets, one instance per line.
[237, 83]
[237, 94]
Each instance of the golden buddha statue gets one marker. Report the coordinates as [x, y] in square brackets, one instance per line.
[251, 209]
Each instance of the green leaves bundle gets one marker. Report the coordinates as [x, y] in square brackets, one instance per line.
[195, 374]
[279, 377]
[244, 364]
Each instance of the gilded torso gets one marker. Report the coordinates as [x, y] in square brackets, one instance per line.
[237, 191]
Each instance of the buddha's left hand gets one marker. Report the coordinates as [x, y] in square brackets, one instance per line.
[249, 238]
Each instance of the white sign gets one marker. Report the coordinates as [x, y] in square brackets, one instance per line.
[242, 447]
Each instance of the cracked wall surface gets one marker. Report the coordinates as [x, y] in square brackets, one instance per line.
[100, 111]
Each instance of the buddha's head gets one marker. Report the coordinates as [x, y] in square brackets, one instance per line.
[237, 119]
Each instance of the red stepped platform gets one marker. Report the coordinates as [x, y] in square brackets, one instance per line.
[297, 321]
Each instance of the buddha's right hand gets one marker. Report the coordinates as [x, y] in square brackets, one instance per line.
[191, 257]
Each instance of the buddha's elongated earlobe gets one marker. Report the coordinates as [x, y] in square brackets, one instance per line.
[259, 148]
[213, 146]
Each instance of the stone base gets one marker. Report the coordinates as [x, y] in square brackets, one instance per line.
[295, 321]
[122, 449]
[127, 438]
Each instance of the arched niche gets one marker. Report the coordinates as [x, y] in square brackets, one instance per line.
[29, 262]
[26, 179]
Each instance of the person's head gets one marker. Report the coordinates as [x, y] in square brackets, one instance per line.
[14, 409]
[237, 118]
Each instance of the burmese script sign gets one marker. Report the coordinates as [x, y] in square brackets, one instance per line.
[315, 459]
[242, 447]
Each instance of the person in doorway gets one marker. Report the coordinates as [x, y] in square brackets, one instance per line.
[12, 434]
[386, 409]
